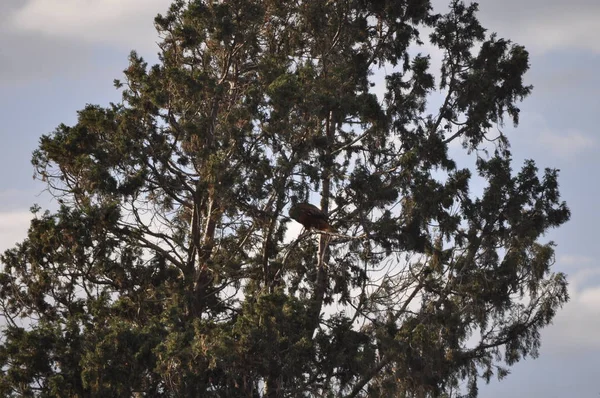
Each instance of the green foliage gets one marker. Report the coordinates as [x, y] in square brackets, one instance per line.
[170, 268]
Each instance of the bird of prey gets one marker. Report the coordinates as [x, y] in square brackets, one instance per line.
[310, 216]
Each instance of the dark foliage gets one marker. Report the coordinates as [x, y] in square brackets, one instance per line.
[167, 270]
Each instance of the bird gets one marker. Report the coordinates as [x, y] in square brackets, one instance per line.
[310, 216]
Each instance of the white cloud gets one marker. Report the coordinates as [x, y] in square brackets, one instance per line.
[126, 24]
[13, 200]
[13, 228]
[545, 26]
[574, 260]
[590, 298]
[538, 134]
[576, 325]
[541, 26]
[566, 145]
[566, 29]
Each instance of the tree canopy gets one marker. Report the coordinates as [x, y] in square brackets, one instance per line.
[171, 268]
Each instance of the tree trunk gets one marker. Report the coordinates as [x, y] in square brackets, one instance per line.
[202, 247]
[322, 255]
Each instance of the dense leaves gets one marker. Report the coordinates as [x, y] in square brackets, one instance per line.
[171, 268]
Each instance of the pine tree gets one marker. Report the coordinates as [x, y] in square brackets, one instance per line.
[170, 268]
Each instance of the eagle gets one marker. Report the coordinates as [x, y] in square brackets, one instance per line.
[310, 216]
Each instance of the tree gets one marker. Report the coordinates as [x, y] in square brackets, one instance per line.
[170, 268]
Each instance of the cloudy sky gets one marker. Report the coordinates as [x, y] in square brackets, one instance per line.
[58, 55]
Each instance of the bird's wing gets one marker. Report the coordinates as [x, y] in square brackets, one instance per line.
[312, 211]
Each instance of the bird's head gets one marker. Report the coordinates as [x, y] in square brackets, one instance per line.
[293, 212]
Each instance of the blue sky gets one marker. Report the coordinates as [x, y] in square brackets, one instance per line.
[58, 55]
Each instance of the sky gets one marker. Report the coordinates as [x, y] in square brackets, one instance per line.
[58, 55]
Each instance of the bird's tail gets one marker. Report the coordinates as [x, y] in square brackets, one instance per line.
[329, 228]
[324, 226]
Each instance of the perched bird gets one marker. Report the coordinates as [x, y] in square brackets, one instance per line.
[310, 216]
